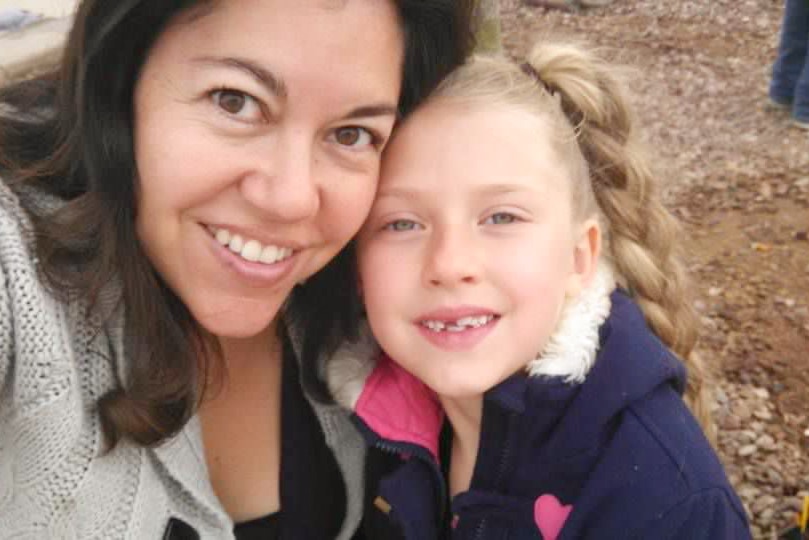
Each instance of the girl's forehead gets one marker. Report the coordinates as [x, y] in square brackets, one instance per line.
[449, 147]
[463, 132]
[480, 121]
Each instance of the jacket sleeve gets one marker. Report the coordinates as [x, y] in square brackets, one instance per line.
[712, 514]
[5, 331]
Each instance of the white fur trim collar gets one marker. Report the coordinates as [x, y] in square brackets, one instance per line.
[350, 367]
[572, 348]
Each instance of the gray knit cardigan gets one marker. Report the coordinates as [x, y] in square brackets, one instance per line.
[54, 481]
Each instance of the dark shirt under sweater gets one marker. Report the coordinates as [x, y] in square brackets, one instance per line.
[312, 488]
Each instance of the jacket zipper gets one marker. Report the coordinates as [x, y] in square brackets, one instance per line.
[501, 470]
[421, 453]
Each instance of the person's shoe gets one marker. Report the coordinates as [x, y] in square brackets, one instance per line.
[800, 123]
[564, 5]
[778, 104]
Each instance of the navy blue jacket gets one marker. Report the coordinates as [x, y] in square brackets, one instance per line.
[618, 456]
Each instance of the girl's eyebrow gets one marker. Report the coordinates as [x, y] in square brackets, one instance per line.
[276, 86]
[485, 190]
[501, 189]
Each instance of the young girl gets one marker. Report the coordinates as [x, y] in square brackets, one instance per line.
[519, 273]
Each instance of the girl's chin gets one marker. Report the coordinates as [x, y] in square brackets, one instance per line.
[458, 393]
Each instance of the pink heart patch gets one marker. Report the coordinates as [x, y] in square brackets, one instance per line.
[550, 515]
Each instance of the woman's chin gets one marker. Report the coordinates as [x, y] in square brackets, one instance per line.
[246, 324]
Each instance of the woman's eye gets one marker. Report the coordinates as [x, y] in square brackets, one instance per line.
[501, 218]
[401, 225]
[353, 136]
[236, 103]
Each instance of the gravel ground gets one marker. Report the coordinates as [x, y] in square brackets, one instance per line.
[737, 174]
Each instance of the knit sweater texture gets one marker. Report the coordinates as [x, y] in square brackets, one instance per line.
[56, 482]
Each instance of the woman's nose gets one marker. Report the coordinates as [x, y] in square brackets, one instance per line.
[283, 184]
[452, 260]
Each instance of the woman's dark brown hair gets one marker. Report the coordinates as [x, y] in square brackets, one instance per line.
[70, 135]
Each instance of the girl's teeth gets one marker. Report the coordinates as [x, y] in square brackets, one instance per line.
[435, 326]
[460, 325]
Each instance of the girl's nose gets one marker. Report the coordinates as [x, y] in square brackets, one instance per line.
[451, 260]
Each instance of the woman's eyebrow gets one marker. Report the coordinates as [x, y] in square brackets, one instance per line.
[262, 75]
[382, 109]
[277, 87]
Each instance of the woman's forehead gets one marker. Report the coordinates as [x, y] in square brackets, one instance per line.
[318, 42]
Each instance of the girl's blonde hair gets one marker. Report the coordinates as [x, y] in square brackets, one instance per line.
[583, 98]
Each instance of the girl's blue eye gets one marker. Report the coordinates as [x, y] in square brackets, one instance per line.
[354, 136]
[501, 218]
[401, 225]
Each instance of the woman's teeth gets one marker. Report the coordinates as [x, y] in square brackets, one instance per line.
[460, 325]
[250, 250]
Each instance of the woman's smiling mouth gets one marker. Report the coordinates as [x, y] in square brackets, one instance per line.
[249, 249]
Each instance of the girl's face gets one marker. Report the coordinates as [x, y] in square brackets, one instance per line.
[471, 247]
[258, 132]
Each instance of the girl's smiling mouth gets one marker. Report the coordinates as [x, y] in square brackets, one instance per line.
[457, 329]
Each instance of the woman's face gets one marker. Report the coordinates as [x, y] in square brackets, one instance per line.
[258, 131]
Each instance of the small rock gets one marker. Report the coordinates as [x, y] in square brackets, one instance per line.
[763, 414]
[743, 411]
[765, 501]
[761, 393]
[748, 491]
[729, 422]
[747, 450]
[774, 478]
[794, 505]
[766, 442]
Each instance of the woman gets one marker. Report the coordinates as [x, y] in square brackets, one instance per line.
[167, 200]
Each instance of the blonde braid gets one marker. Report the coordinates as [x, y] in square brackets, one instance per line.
[642, 241]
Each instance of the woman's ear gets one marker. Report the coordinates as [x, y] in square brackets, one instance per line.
[586, 252]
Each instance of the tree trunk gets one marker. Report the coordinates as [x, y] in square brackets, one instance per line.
[487, 26]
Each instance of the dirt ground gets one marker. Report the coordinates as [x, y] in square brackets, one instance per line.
[737, 174]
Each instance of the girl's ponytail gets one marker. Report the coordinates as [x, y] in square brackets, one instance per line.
[642, 236]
